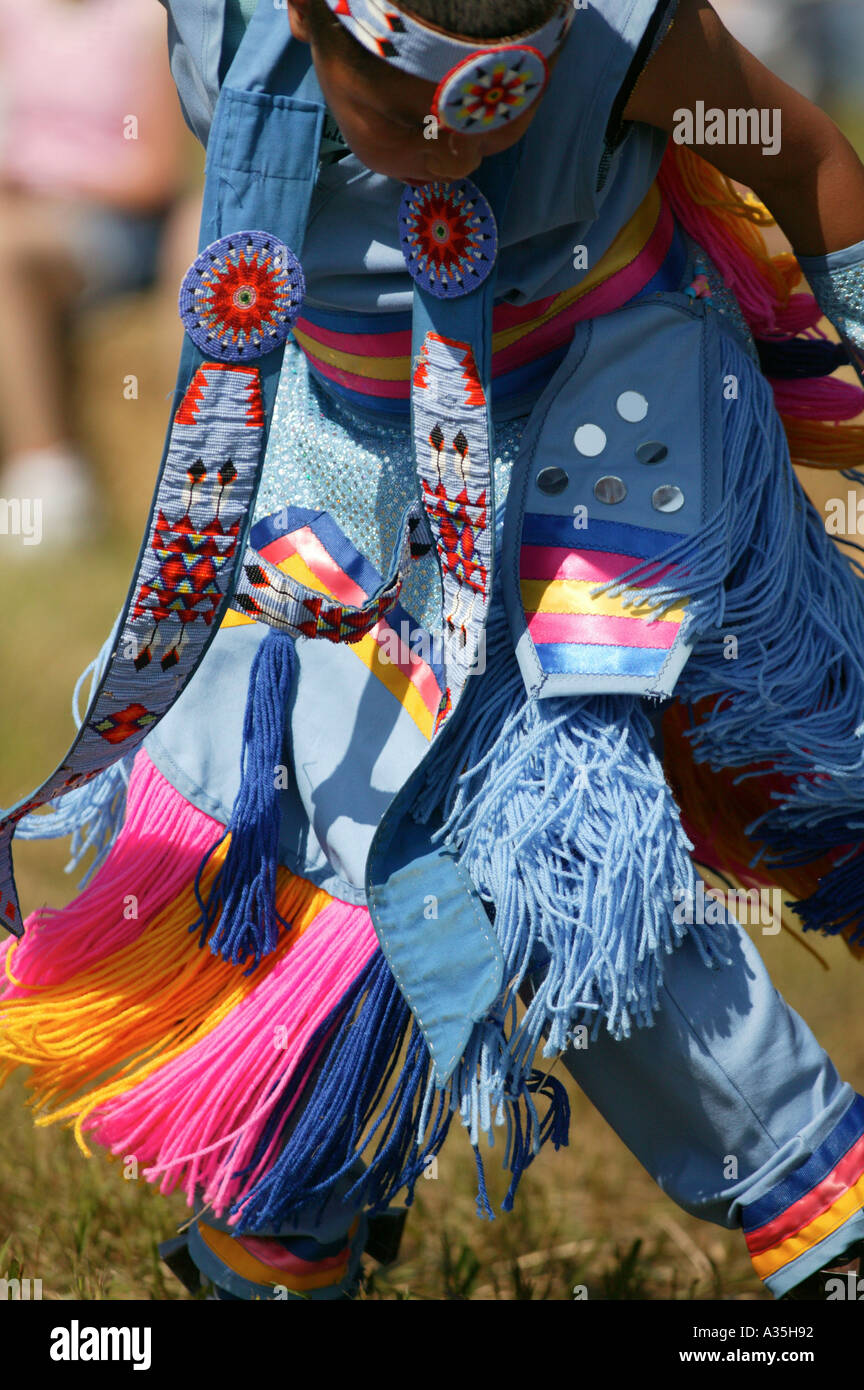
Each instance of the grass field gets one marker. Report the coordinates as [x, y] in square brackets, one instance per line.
[588, 1215]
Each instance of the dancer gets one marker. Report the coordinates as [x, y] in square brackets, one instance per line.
[477, 563]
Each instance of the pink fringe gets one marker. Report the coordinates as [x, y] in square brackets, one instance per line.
[802, 312]
[155, 857]
[198, 1119]
[755, 296]
[805, 398]
[817, 398]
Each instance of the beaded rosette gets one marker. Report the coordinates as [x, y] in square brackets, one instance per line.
[240, 296]
[490, 90]
[449, 237]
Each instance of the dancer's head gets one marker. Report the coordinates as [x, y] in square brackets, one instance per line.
[384, 70]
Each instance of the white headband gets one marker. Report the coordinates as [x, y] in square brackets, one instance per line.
[480, 86]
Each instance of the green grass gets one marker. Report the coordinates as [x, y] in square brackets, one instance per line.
[588, 1216]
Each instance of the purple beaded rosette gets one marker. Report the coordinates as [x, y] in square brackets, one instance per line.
[449, 237]
[241, 295]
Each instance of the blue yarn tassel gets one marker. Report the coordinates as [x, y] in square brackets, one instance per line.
[323, 1137]
[788, 359]
[363, 1110]
[240, 910]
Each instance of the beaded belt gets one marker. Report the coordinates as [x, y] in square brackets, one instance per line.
[365, 359]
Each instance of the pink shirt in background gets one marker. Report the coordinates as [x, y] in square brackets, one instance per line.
[71, 73]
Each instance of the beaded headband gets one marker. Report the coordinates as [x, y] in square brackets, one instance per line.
[480, 86]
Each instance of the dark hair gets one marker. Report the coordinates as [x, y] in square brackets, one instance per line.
[471, 19]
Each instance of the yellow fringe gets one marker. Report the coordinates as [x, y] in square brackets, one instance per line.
[137, 1009]
[823, 444]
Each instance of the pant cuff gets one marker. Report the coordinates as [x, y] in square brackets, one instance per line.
[815, 1213]
[279, 1268]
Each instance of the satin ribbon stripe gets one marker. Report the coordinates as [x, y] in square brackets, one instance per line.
[806, 1179]
[409, 678]
[595, 629]
[592, 658]
[239, 1258]
[599, 566]
[367, 358]
[606, 537]
[813, 1202]
[835, 1216]
[797, 1218]
[270, 1251]
[567, 623]
[574, 596]
[274, 596]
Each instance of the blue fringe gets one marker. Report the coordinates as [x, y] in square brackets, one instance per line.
[93, 813]
[837, 900]
[561, 813]
[324, 1137]
[794, 698]
[766, 572]
[321, 1142]
[240, 910]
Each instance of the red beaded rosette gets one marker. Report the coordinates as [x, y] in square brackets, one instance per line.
[449, 237]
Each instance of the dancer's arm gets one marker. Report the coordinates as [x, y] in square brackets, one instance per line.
[813, 184]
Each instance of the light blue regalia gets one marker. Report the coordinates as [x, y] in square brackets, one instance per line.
[418, 584]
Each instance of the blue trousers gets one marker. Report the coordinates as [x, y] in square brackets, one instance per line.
[737, 1113]
[728, 1101]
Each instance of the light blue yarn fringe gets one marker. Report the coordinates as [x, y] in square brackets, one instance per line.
[93, 813]
[560, 810]
[561, 813]
[793, 696]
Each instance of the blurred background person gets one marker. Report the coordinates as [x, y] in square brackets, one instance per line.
[94, 202]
